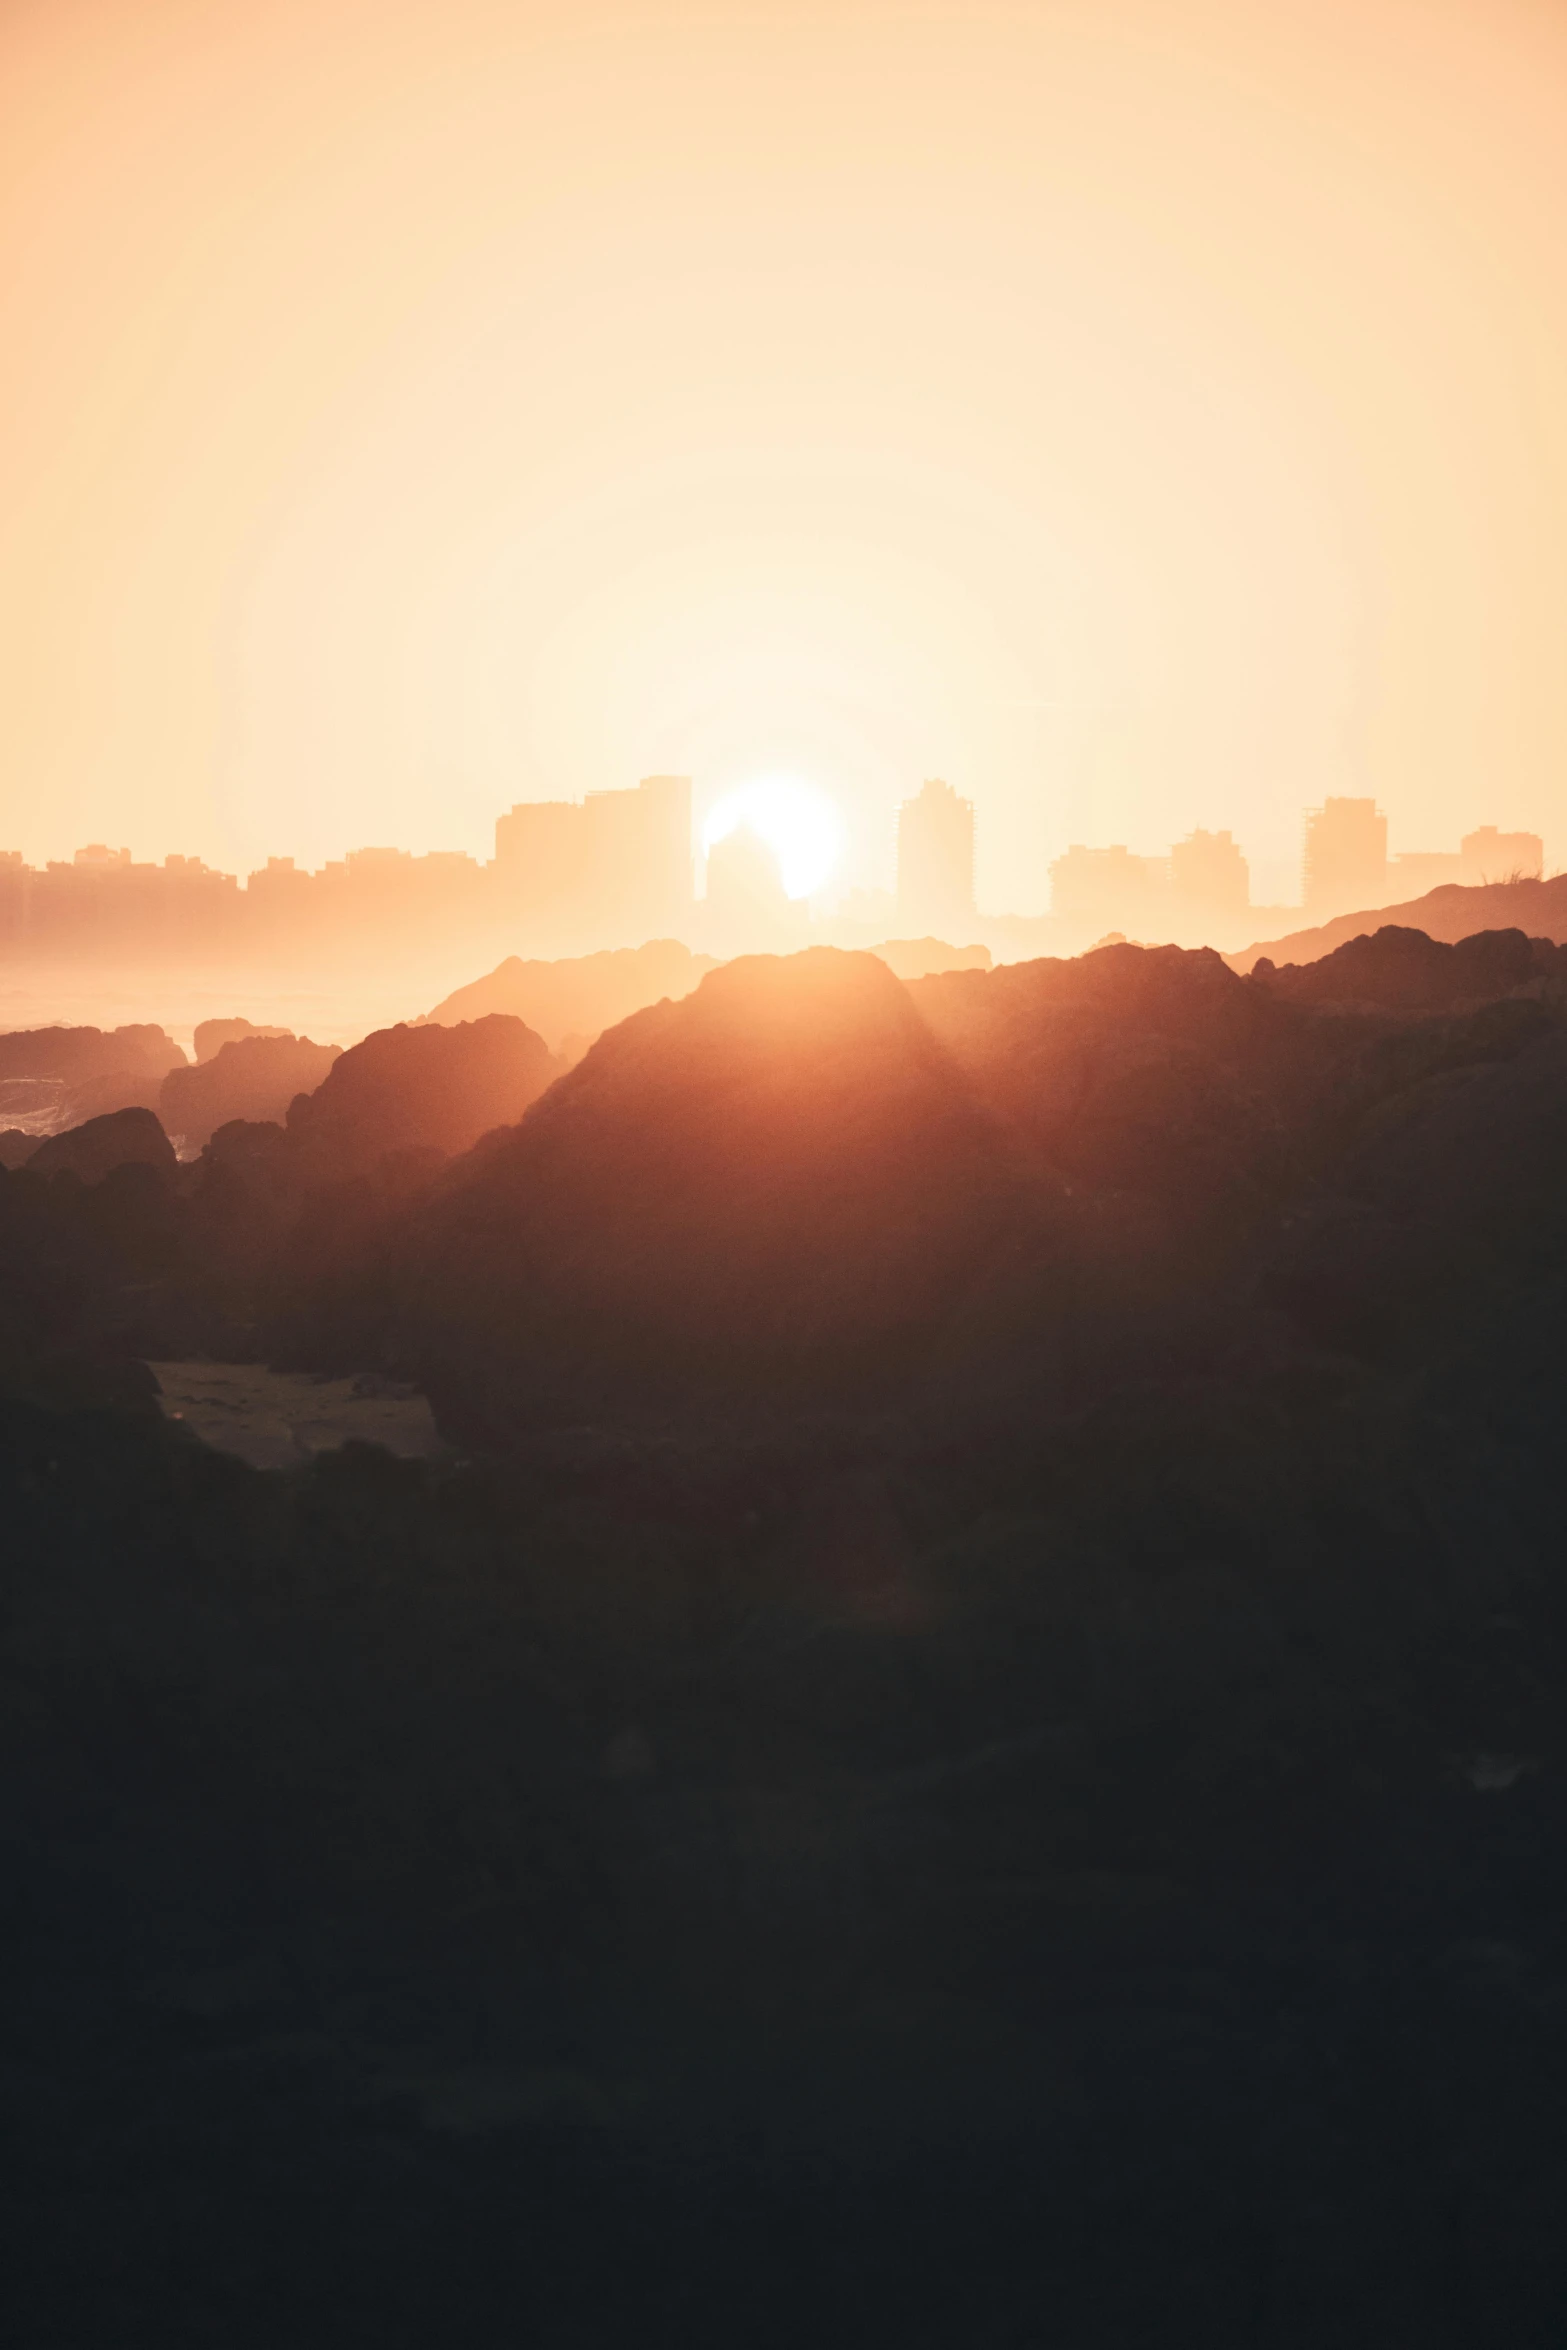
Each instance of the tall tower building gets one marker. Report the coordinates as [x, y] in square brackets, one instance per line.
[1346, 857]
[936, 862]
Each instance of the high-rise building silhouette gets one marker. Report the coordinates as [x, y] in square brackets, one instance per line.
[936, 860]
[1108, 889]
[1208, 873]
[617, 863]
[1489, 855]
[540, 851]
[639, 863]
[1346, 856]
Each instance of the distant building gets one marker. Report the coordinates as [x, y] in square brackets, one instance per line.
[639, 864]
[1346, 857]
[1482, 856]
[617, 864]
[540, 850]
[1489, 855]
[1108, 889]
[102, 906]
[1208, 874]
[936, 862]
[1411, 874]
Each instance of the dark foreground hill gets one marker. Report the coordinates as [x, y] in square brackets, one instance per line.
[994, 1774]
[807, 1179]
[1403, 970]
[272, 1217]
[767, 1186]
[100, 1146]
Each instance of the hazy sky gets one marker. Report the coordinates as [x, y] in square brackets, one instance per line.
[1141, 414]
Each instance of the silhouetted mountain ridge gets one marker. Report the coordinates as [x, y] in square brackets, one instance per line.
[776, 1175]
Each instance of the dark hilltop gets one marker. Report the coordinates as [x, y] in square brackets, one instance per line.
[962, 1740]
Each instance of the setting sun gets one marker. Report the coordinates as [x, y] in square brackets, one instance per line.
[800, 824]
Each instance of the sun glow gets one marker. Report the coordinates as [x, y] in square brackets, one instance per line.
[800, 824]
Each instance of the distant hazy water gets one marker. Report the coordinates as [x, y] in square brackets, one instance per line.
[279, 1419]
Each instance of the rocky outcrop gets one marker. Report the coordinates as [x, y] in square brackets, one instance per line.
[124, 1138]
[212, 1035]
[572, 1001]
[431, 1088]
[76, 1055]
[55, 1078]
[1451, 913]
[1397, 969]
[255, 1077]
[782, 1180]
[1133, 1068]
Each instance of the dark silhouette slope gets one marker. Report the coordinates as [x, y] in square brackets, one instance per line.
[92, 1151]
[212, 1035]
[1404, 970]
[781, 1179]
[254, 1077]
[431, 1088]
[1149, 1070]
[808, 1177]
[576, 998]
[1453, 912]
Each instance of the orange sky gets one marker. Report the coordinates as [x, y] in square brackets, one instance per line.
[1143, 413]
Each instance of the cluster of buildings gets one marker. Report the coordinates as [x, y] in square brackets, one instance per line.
[105, 907]
[617, 863]
[1204, 877]
[1205, 884]
[1347, 864]
[616, 868]
[567, 877]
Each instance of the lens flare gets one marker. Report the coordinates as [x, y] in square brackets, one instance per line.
[800, 824]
